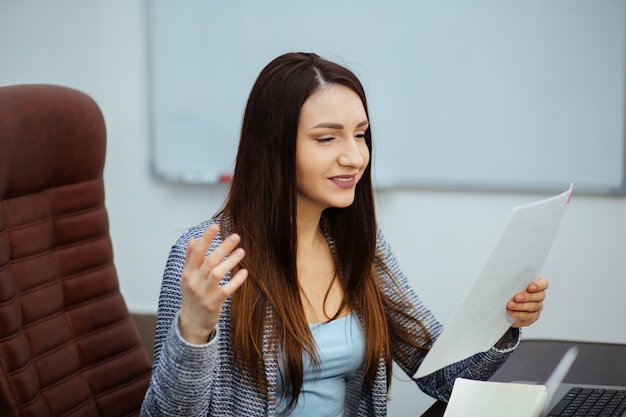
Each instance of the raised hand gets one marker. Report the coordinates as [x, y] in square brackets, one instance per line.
[202, 296]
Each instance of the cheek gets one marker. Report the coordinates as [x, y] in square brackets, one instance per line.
[303, 172]
[300, 166]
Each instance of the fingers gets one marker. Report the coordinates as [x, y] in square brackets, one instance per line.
[526, 298]
[538, 285]
[200, 267]
[526, 306]
[527, 302]
[213, 273]
[525, 317]
[234, 283]
[196, 249]
[202, 273]
[223, 259]
[535, 293]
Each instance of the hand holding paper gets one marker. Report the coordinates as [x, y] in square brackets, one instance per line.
[481, 319]
[525, 307]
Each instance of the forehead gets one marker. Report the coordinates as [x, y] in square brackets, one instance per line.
[333, 103]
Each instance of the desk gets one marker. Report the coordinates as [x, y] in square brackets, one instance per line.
[534, 360]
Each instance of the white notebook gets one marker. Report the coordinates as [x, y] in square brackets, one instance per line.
[498, 399]
[472, 398]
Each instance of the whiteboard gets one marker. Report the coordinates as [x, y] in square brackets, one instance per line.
[480, 95]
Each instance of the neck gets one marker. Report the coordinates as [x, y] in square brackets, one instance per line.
[308, 226]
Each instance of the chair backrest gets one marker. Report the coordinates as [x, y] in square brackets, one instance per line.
[67, 343]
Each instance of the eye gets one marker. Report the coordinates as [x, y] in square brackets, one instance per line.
[360, 135]
[325, 139]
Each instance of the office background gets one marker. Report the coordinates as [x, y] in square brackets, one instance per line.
[480, 95]
[442, 238]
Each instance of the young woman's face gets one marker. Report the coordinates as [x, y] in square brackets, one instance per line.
[331, 153]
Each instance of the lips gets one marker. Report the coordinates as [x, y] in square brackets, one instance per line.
[344, 181]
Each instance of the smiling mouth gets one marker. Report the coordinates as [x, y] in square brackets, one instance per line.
[344, 182]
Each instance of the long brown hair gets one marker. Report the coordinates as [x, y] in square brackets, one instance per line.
[261, 207]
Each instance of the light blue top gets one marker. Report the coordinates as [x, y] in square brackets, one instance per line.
[341, 350]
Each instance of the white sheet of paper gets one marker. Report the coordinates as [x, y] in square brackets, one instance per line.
[495, 399]
[481, 319]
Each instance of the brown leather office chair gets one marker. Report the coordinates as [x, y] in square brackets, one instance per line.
[68, 345]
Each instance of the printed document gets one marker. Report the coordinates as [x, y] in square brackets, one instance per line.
[481, 319]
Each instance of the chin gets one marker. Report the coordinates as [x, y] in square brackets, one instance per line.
[343, 203]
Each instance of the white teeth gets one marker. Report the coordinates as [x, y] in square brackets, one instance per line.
[343, 179]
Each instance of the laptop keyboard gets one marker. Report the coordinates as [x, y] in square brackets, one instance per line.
[587, 402]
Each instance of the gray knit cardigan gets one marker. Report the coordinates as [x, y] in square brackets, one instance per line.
[202, 380]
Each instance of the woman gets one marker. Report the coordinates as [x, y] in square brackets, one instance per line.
[308, 320]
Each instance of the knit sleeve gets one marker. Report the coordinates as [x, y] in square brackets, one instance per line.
[182, 372]
[439, 384]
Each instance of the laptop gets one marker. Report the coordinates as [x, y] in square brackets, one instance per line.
[594, 395]
[581, 400]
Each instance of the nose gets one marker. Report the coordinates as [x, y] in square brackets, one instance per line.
[354, 154]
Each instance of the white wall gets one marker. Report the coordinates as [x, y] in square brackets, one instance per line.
[441, 238]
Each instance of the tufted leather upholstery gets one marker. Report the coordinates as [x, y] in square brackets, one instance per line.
[68, 346]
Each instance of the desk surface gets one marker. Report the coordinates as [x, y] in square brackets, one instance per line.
[534, 360]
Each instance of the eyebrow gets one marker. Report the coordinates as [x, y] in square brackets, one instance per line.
[336, 125]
